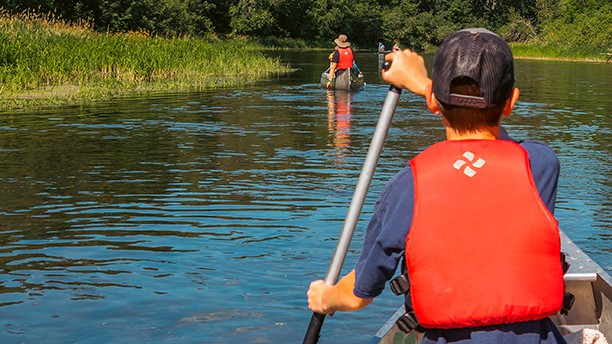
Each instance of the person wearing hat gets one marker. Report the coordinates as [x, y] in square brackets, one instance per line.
[470, 219]
[341, 59]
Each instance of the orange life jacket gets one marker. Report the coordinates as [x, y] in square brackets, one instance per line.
[483, 249]
[346, 58]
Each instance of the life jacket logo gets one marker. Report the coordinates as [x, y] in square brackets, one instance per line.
[468, 164]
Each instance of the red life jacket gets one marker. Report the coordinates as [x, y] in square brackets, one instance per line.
[345, 58]
[483, 248]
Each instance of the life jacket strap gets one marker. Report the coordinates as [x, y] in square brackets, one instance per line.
[568, 298]
[408, 322]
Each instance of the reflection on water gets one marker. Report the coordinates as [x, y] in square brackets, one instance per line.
[339, 120]
[203, 217]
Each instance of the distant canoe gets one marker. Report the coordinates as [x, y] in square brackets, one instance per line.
[345, 80]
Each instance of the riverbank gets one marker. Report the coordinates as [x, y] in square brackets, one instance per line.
[44, 61]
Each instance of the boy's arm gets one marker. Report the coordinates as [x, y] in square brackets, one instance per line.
[325, 299]
[407, 72]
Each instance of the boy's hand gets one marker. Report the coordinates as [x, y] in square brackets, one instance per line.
[407, 72]
[325, 299]
[316, 297]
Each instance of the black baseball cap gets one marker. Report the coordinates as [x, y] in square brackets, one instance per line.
[480, 55]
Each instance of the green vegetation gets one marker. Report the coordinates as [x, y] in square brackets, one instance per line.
[570, 30]
[87, 49]
[44, 60]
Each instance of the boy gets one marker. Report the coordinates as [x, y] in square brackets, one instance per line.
[472, 215]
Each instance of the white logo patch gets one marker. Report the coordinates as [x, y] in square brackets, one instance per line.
[468, 164]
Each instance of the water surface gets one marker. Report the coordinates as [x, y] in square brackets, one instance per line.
[202, 217]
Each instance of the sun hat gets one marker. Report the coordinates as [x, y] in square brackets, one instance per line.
[342, 41]
[480, 55]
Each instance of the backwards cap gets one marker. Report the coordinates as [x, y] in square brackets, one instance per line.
[480, 55]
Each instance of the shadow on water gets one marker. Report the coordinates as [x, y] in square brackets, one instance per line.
[202, 217]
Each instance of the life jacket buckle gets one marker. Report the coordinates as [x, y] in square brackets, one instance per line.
[568, 302]
[564, 264]
[408, 323]
[400, 285]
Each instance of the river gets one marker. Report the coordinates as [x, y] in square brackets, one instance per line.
[202, 217]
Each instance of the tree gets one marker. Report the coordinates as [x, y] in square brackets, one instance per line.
[291, 19]
[251, 18]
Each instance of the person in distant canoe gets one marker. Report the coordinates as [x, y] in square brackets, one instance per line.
[471, 217]
[342, 59]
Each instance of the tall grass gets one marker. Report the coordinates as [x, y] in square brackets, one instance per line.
[550, 51]
[39, 54]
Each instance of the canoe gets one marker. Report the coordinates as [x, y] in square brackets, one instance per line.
[344, 81]
[591, 311]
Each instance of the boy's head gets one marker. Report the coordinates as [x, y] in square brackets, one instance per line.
[473, 73]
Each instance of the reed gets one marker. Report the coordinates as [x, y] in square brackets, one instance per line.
[46, 60]
[557, 52]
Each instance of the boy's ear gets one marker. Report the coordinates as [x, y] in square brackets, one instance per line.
[432, 103]
[510, 102]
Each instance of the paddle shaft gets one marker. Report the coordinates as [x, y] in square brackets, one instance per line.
[352, 217]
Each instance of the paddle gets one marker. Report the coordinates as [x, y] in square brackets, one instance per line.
[352, 217]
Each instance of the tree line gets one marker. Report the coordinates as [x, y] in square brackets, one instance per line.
[415, 24]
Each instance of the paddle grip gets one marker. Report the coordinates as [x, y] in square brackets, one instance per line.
[314, 329]
[386, 65]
